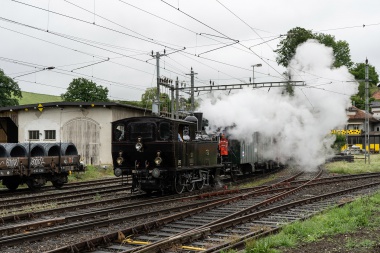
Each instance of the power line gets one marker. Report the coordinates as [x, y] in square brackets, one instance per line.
[253, 29]
[227, 37]
[87, 22]
[349, 27]
[80, 21]
[115, 23]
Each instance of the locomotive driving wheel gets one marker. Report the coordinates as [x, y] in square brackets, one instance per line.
[178, 184]
[189, 185]
[201, 184]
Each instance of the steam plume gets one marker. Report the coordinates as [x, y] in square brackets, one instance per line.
[301, 123]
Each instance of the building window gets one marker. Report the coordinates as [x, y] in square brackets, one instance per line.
[34, 135]
[49, 134]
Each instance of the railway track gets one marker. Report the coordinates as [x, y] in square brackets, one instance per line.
[163, 234]
[222, 206]
[4, 193]
[74, 195]
[22, 228]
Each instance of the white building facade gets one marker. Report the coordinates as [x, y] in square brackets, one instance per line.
[87, 125]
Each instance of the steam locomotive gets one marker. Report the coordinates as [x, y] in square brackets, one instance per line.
[37, 163]
[162, 154]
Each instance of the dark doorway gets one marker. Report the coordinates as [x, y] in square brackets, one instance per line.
[8, 130]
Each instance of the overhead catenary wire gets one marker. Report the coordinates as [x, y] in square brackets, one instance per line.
[210, 59]
[227, 37]
[64, 15]
[97, 25]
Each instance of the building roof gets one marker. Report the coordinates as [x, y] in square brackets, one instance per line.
[71, 104]
[376, 95]
[359, 114]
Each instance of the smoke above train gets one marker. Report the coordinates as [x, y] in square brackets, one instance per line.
[301, 123]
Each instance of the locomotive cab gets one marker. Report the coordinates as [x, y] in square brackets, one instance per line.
[162, 154]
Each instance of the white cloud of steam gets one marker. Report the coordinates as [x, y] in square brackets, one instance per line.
[300, 123]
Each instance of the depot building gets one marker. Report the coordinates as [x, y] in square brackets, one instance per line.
[87, 125]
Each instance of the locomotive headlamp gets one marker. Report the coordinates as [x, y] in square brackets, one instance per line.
[156, 173]
[119, 160]
[158, 159]
[139, 145]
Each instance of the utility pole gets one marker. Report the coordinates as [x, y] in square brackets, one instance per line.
[192, 88]
[156, 104]
[172, 101]
[366, 137]
[253, 71]
[176, 98]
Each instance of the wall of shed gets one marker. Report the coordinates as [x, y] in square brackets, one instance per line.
[88, 128]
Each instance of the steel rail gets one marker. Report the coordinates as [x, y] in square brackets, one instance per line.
[89, 244]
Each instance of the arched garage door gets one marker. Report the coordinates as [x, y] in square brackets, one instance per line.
[84, 133]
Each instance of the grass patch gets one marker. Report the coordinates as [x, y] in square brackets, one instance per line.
[352, 243]
[91, 173]
[35, 98]
[258, 182]
[357, 167]
[346, 219]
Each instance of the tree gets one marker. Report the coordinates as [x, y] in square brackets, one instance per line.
[10, 92]
[150, 95]
[81, 89]
[286, 49]
[340, 141]
[358, 71]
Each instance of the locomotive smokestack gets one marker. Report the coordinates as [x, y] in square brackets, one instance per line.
[199, 116]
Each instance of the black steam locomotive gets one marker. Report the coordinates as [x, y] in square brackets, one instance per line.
[162, 154]
[37, 163]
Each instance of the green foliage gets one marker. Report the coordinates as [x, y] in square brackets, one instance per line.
[286, 49]
[358, 166]
[83, 90]
[335, 221]
[34, 98]
[10, 92]
[150, 95]
[340, 141]
[91, 173]
[229, 251]
[260, 246]
[358, 71]
[352, 243]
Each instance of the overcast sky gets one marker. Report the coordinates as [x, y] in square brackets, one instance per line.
[110, 41]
